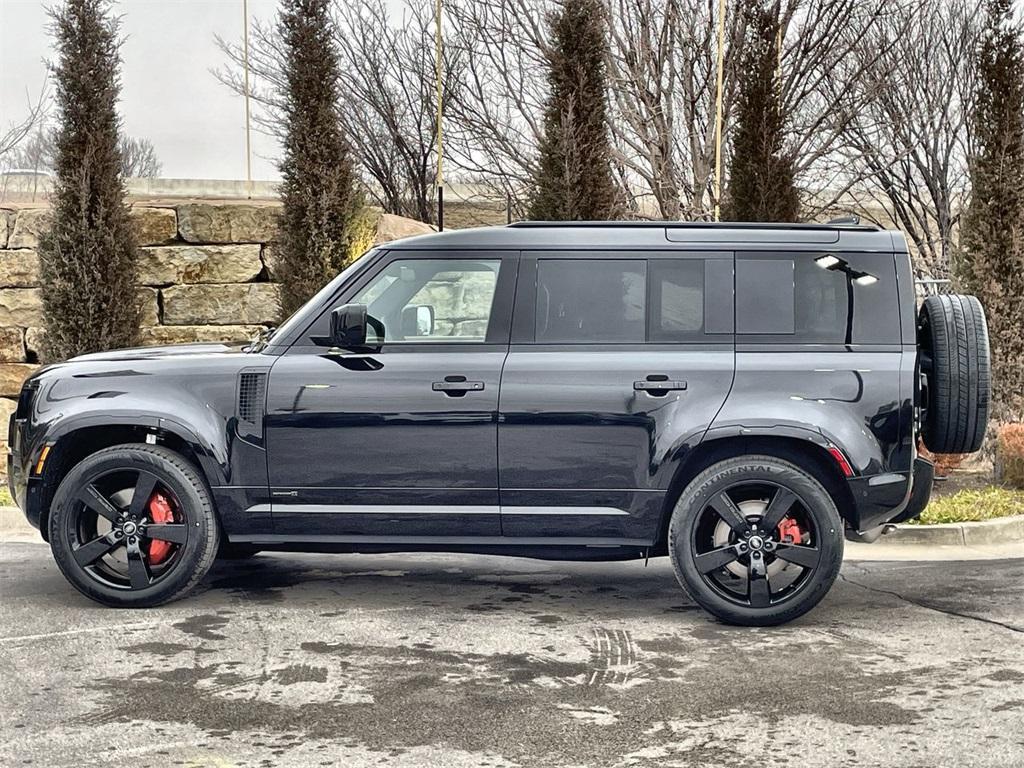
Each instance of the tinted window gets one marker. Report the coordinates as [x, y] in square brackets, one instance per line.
[818, 298]
[590, 300]
[677, 299]
[424, 300]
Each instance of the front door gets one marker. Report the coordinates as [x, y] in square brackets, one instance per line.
[619, 363]
[402, 442]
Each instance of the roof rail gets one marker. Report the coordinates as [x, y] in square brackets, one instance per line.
[836, 224]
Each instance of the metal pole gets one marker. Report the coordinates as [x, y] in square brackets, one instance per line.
[248, 139]
[440, 146]
[778, 49]
[718, 110]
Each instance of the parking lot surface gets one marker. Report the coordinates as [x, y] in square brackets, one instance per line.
[424, 660]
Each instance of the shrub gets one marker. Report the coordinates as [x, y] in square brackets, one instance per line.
[362, 233]
[761, 178]
[973, 505]
[944, 462]
[317, 178]
[1010, 455]
[88, 257]
[574, 177]
[992, 263]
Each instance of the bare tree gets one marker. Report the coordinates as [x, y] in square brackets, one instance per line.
[139, 159]
[138, 156]
[496, 118]
[16, 132]
[386, 101]
[664, 70]
[916, 88]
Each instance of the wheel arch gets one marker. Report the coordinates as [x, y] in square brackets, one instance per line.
[810, 455]
[77, 442]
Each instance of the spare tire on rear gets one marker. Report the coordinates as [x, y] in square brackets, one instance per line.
[954, 357]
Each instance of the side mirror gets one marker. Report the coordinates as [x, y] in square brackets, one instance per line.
[417, 320]
[348, 326]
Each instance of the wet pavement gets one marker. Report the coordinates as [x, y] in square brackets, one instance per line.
[425, 660]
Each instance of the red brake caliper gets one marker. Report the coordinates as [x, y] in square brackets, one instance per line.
[789, 530]
[160, 511]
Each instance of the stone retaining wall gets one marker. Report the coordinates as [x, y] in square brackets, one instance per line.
[205, 274]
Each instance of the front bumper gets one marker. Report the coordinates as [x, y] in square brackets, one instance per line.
[25, 489]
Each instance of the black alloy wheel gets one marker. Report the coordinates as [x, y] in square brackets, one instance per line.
[756, 540]
[112, 529]
[133, 526]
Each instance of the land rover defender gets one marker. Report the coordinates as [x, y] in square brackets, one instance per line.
[737, 397]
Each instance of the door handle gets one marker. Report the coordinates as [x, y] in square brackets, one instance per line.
[456, 386]
[658, 385]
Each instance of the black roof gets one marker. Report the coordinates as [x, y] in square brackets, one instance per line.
[661, 235]
[723, 225]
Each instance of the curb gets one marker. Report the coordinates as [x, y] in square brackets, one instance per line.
[1003, 530]
[12, 521]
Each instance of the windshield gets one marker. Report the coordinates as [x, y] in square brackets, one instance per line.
[298, 317]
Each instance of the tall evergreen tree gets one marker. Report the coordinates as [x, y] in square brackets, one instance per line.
[761, 176]
[574, 179]
[992, 263]
[88, 257]
[318, 182]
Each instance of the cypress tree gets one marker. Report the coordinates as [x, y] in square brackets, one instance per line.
[88, 257]
[574, 179]
[992, 263]
[761, 176]
[318, 182]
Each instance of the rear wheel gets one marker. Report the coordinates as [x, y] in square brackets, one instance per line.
[133, 526]
[756, 540]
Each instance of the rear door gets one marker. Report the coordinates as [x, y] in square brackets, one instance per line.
[618, 364]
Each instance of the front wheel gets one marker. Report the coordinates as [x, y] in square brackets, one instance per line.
[133, 526]
[755, 540]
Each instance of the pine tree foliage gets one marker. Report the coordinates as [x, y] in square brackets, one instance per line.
[574, 179]
[321, 203]
[761, 174]
[992, 263]
[88, 257]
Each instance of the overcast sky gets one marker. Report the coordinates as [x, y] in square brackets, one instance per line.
[168, 93]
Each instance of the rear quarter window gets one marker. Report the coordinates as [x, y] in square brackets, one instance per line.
[817, 298]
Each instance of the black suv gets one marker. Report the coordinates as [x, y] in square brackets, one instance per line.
[736, 397]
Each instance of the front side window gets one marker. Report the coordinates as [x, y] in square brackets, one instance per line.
[591, 301]
[432, 300]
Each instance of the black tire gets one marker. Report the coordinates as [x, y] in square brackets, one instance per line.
[707, 570]
[953, 339]
[228, 551]
[100, 522]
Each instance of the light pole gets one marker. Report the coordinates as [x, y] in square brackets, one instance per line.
[245, 67]
[718, 110]
[439, 179]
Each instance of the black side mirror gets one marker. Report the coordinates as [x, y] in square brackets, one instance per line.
[348, 326]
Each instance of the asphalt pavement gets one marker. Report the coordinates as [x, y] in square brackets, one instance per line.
[424, 660]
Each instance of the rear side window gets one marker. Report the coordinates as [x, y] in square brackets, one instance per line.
[658, 300]
[677, 299]
[603, 300]
[817, 298]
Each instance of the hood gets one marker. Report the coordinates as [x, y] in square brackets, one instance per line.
[150, 353]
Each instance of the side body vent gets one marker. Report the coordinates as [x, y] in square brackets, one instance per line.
[252, 391]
